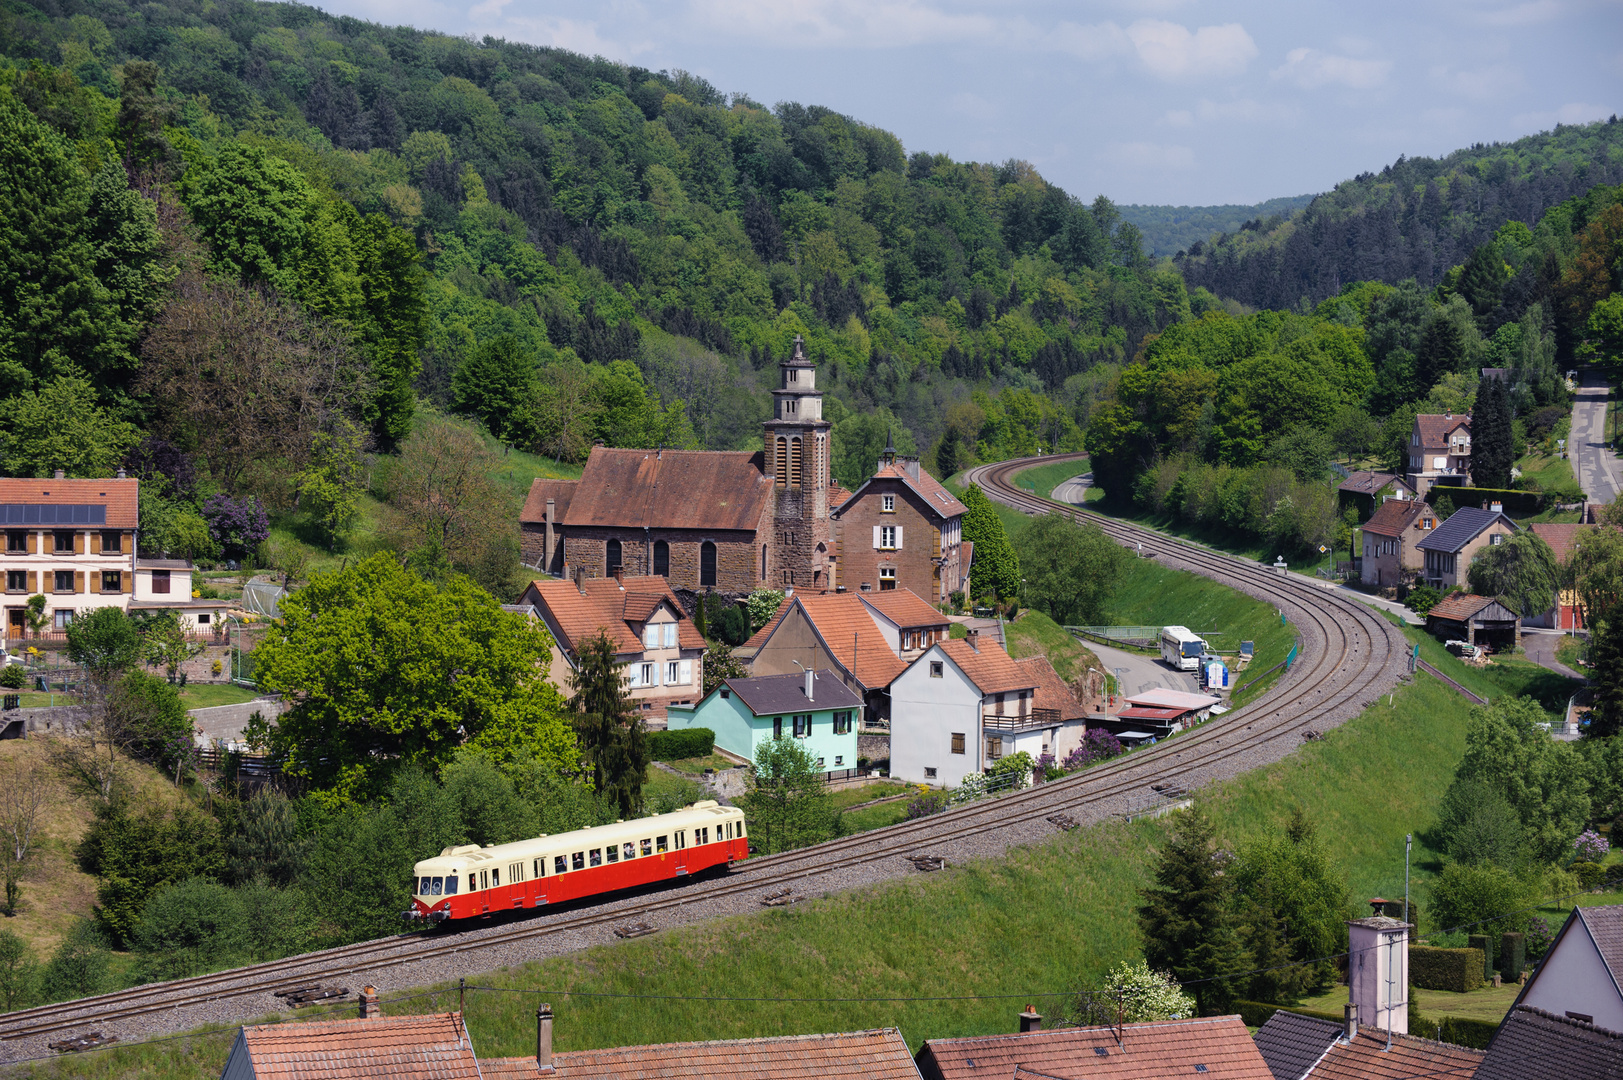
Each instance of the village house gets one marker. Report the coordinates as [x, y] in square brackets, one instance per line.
[1562, 1047]
[724, 521]
[1582, 971]
[1564, 538]
[1391, 538]
[1300, 1047]
[1439, 451]
[816, 709]
[661, 650]
[901, 529]
[1157, 713]
[830, 632]
[909, 624]
[1474, 620]
[74, 542]
[963, 704]
[1370, 489]
[1449, 548]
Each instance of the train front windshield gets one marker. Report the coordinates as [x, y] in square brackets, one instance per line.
[437, 886]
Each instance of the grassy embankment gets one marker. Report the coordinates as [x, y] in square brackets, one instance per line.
[1028, 925]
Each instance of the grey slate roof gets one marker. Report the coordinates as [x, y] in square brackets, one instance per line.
[1605, 925]
[1466, 525]
[1532, 1044]
[776, 695]
[1292, 1044]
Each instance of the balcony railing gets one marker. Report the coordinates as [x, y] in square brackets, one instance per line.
[1036, 718]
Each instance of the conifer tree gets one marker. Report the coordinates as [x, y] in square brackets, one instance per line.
[1492, 452]
[609, 727]
[1606, 676]
[997, 567]
[1186, 919]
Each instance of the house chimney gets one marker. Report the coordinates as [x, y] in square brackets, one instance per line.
[580, 579]
[972, 638]
[369, 1003]
[120, 473]
[60, 474]
[1349, 1014]
[811, 678]
[1497, 508]
[1031, 1020]
[1378, 970]
[546, 543]
[620, 575]
[543, 1038]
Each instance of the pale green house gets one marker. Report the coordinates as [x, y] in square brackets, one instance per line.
[744, 713]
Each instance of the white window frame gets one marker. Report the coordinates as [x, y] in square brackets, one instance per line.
[684, 673]
[670, 635]
[887, 504]
[887, 538]
[650, 636]
[648, 675]
[673, 669]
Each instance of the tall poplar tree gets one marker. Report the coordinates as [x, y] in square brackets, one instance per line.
[1492, 449]
[609, 726]
[997, 567]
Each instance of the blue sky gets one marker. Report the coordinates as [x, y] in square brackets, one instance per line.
[1146, 101]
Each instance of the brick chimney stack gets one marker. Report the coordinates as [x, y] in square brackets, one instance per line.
[1349, 1016]
[972, 637]
[543, 1038]
[370, 1009]
[1031, 1020]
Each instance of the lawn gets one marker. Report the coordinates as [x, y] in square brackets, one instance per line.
[1043, 479]
[1512, 675]
[208, 695]
[1035, 634]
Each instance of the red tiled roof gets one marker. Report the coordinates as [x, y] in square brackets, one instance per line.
[904, 607]
[576, 616]
[1364, 482]
[844, 624]
[836, 495]
[1459, 607]
[389, 1048]
[1150, 1051]
[1393, 516]
[1435, 428]
[535, 505]
[870, 1055]
[670, 489]
[1562, 537]
[121, 497]
[939, 499]
[991, 669]
[1367, 1058]
[1052, 692]
[1144, 712]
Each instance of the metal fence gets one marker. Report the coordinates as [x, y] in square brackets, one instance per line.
[1143, 636]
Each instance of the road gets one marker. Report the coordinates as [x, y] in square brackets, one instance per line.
[1136, 673]
[1593, 462]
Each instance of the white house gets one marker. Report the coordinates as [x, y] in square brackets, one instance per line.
[965, 703]
[1581, 974]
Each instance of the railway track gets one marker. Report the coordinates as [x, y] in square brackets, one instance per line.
[1349, 656]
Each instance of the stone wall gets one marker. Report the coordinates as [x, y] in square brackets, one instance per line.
[737, 557]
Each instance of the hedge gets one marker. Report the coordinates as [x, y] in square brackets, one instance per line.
[1485, 943]
[1458, 1030]
[1512, 955]
[1459, 970]
[681, 743]
[1516, 502]
[1256, 1013]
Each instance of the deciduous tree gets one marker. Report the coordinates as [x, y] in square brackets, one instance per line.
[1521, 571]
[787, 804]
[27, 787]
[1070, 569]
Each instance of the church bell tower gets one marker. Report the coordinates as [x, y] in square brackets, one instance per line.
[797, 459]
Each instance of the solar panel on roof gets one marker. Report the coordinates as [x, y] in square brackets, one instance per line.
[53, 513]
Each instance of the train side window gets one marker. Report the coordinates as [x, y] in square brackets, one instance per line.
[681, 839]
[538, 867]
[595, 856]
[741, 830]
[559, 866]
[662, 843]
[577, 861]
[484, 879]
[450, 885]
[613, 852]
[699, 839]
[630, 850]
[728, 827]
[515, 873]
[495, 877]
[647, 848]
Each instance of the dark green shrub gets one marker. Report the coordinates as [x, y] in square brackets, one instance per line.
[1590, 874]
[188, 927]
[18, 972]
[1512, 955]
[1463, 1031]
[679, 744]
[79, 966]
[1459, 970]
[1484, 942]
[13, 677]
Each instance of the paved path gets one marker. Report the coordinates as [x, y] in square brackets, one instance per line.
[1074, 491]
[1539, 645]
[1136, 673]
[1593, 461]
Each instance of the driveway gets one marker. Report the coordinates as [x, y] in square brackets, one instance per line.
[1136, 673]
[1592, 461]
[1539, 645]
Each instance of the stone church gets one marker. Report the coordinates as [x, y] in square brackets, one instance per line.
[723, 521]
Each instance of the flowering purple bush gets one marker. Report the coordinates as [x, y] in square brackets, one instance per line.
[237, 525]
[1097, 745]
[1591, 846]
[1048, 765]
[926, 803]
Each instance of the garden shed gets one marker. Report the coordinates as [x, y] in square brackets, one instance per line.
[1466, 616]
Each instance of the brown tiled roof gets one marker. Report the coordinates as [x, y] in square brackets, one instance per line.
[535, 505]
[670, 489]
[836, 495]
[843, 622]
[940, 501]
[1561, 536]
[1367, 1058]
[1393, 516]
[394, 1047]
[1435, 428]
[759, 637]
[1364, 482]
[869, 1055]
[1532, 1044]
[904, 607]
[1459, 607]
[1052, 693]
[120, 497]
[1150, 1051]
[575, 616]
[991, 669]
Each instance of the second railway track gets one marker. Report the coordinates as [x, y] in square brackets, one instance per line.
[1349, 656]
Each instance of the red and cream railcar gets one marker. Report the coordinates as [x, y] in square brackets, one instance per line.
[469, 881]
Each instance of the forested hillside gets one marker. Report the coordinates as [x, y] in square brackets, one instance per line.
[1415, 219]
[563, 248]
[1170, 229]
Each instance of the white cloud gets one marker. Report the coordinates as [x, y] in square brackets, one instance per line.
[576, 35]
[1247, 111]
[1147, 156]
[1180, 118]
[1573, 113]
[1311, 69]
[871, 24]
[1171, 51]
[1087, 42]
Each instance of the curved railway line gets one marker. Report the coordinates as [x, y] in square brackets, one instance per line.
[1349, 656]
